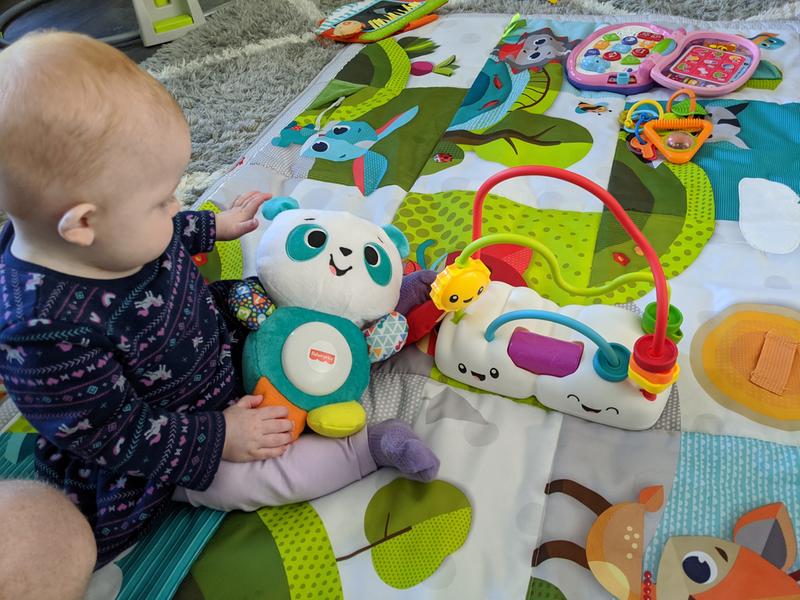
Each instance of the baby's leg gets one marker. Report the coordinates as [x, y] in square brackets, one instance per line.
[47, 548]
[314, 466]
[311, 467]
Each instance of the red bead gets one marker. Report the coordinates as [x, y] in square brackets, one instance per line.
[643, 355]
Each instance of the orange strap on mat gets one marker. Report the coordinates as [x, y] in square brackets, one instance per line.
[774, 363]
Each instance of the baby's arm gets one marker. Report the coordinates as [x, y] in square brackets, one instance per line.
[199, 230]
[67, 382]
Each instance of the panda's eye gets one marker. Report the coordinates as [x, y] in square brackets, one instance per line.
[540, 41]
[453, 298]
[462, 368]
[304, 242]
[316, 238]
[371, 256]
[319, 146]
[494, 373]
[378, 264]
[341, 129]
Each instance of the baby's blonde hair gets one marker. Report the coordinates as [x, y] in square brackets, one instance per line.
[67, 116]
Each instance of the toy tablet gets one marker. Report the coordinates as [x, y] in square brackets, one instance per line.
[374, 20]
[620, 58]
[632, 57]
[710, 64]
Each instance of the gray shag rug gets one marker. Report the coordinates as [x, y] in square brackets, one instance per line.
[253, 57]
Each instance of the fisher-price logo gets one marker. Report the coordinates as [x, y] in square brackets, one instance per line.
[321, 356]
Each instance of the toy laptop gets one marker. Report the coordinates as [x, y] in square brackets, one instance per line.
[374, 20]
[630, 58]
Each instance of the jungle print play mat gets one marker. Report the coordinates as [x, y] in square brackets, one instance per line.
[530, 503]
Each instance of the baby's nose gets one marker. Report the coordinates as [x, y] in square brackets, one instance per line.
[345, 251]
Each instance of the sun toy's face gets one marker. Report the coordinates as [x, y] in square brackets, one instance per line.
[332, 262]
[456, 287]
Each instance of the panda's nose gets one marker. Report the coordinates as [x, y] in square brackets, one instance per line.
[345, 251]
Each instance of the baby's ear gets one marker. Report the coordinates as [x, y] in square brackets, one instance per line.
[275, 206]
[399, 239]
[75, 227]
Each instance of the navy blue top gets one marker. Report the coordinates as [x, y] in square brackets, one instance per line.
[124, 379]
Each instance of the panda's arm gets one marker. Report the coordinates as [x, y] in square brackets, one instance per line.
[415, 290]
[386, 337]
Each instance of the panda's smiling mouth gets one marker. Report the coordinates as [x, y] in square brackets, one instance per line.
[336, 270]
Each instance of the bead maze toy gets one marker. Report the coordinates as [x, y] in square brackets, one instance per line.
[623, 383]
[632, 57]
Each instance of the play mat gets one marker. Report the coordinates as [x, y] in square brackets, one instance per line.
[531, 503]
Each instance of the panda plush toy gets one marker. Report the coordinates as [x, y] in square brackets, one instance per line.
[334, 280]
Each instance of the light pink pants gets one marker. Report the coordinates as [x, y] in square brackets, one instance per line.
[311, 467]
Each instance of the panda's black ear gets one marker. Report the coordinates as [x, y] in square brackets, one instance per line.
[273, 207]
[399, 239]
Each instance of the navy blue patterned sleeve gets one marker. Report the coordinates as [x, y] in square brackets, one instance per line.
[66, 380]
[197, 230]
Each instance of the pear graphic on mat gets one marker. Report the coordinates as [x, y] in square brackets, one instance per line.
[769, 215]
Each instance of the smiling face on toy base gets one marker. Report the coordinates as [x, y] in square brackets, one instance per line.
[330, 261]
[519, 361]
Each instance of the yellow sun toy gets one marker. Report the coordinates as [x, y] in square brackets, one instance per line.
[457, 286]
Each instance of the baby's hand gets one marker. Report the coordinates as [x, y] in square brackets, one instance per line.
[255, 433]
[240, 218]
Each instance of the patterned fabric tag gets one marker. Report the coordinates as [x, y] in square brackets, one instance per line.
[386, 337]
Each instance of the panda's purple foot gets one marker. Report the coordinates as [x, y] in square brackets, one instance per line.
[392, 443]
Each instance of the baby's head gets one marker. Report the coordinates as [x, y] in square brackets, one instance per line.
[93, 149]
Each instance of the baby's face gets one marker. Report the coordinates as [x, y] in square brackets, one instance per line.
[134, 225]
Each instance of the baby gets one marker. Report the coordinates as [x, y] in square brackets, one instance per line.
[111, 345]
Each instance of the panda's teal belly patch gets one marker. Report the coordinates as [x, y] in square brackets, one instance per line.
[312, 358]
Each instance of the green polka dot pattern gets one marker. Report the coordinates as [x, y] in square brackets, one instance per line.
[308, 558]
[230, 253]
[539, 589]
[416, 565]
[446, 217]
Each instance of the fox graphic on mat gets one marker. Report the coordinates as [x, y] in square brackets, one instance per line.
[342, 141]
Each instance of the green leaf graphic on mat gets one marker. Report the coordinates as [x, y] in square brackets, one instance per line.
[412, 527]
[542, 89]
[767, 76]
[225, 261]
[242, 555]
[673, 205]
[523, 138]
[303, 543]
[378, 73]
[539, 589]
